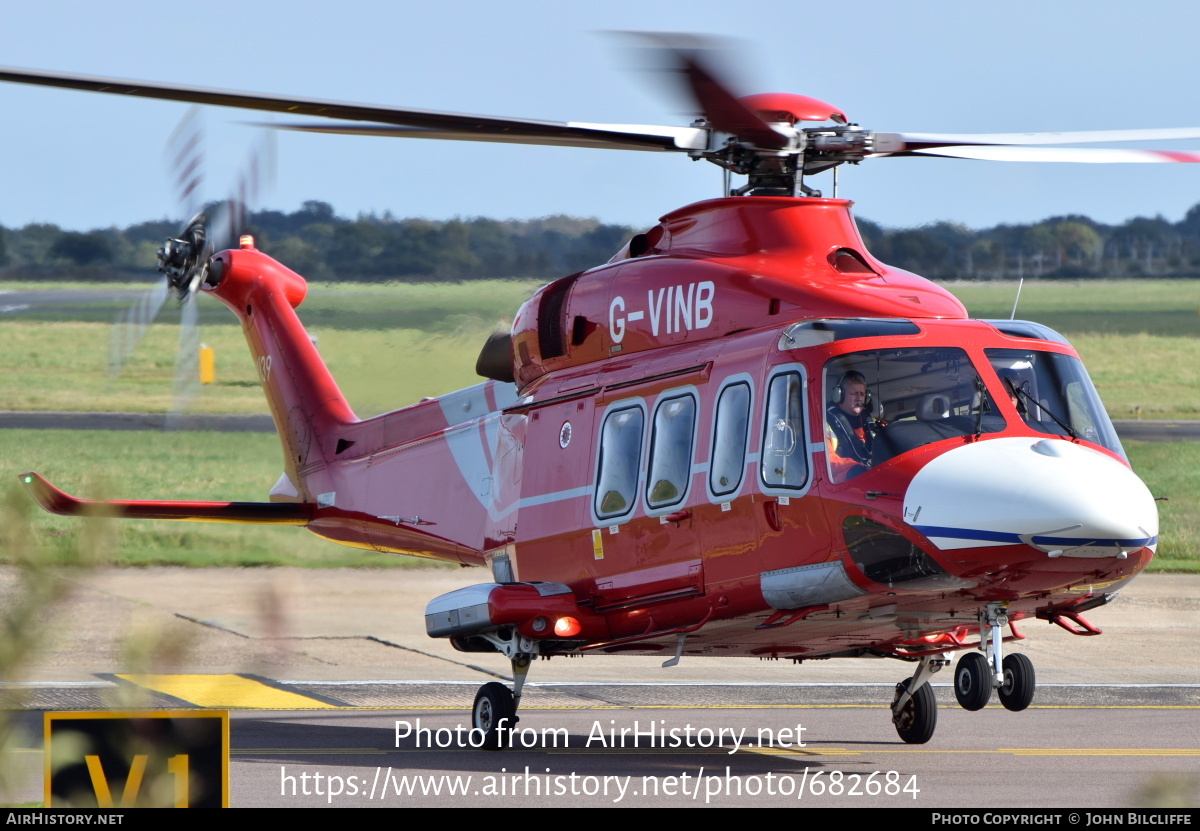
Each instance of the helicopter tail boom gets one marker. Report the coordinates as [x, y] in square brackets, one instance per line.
[55, 501]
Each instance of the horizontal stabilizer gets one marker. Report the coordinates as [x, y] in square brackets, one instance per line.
[259, 513]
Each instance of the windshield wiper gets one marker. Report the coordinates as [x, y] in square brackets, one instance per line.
[1020, 392]
[985, 406]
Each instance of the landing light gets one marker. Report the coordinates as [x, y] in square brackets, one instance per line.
[566, 627]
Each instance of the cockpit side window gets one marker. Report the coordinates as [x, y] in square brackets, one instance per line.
[881, 403]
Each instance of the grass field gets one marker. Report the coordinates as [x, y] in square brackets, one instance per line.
[1140, 339]
[1172, 470]
[151, 465]
[388, 346]
[243, 466]
[1114, 307]
[391, 345]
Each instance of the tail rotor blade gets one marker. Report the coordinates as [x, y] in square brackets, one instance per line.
[187, 364]
[131, 325]
[230, 218]
[185, 160]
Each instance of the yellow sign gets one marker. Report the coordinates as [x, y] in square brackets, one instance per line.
[158, 759]
[208, 365]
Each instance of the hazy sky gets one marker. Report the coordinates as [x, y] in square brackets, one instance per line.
[84, 160]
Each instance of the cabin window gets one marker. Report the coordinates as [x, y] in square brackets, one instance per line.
[671, 451]
[784, 446]
[620, 453]
[729, 440]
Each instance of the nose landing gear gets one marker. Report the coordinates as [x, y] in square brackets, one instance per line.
[978, 673]
[972, 682]
[914, 709]
[1016, 693]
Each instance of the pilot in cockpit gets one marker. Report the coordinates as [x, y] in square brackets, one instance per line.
[847, 435]
[1012, 385]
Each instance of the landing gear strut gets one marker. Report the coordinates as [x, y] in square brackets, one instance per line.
[495, 712]
[978, 673]
[914, 709]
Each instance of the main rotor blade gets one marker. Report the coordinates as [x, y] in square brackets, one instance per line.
[576, 134]
[484, 128]
[1085, 155]
[722, 108]
[695, 60]
[921, 141]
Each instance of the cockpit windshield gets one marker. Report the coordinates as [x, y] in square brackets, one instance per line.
[1054, 395]
[884, 402]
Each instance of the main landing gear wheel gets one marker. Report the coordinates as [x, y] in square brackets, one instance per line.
[973, 681]
[916, 721]
[494, 714]
[1016, 693]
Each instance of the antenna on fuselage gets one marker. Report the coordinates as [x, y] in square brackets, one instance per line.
[1017, 299]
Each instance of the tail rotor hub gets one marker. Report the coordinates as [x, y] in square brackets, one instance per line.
[185, 259]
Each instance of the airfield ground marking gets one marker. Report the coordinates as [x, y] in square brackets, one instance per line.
[1102, 751]
[227, 692]
[247, 693]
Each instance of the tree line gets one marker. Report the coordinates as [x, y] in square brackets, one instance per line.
[321, 245]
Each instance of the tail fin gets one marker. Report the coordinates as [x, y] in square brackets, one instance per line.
[305, 401]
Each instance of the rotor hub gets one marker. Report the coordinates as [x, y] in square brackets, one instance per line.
[184, 259]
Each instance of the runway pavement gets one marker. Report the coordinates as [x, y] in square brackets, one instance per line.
[360, 624]
[318, 666]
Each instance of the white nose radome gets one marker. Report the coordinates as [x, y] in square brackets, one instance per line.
[1052, 494]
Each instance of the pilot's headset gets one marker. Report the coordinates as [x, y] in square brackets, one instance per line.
[852, 376]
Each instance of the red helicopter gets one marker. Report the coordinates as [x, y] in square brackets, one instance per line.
[741, 436]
